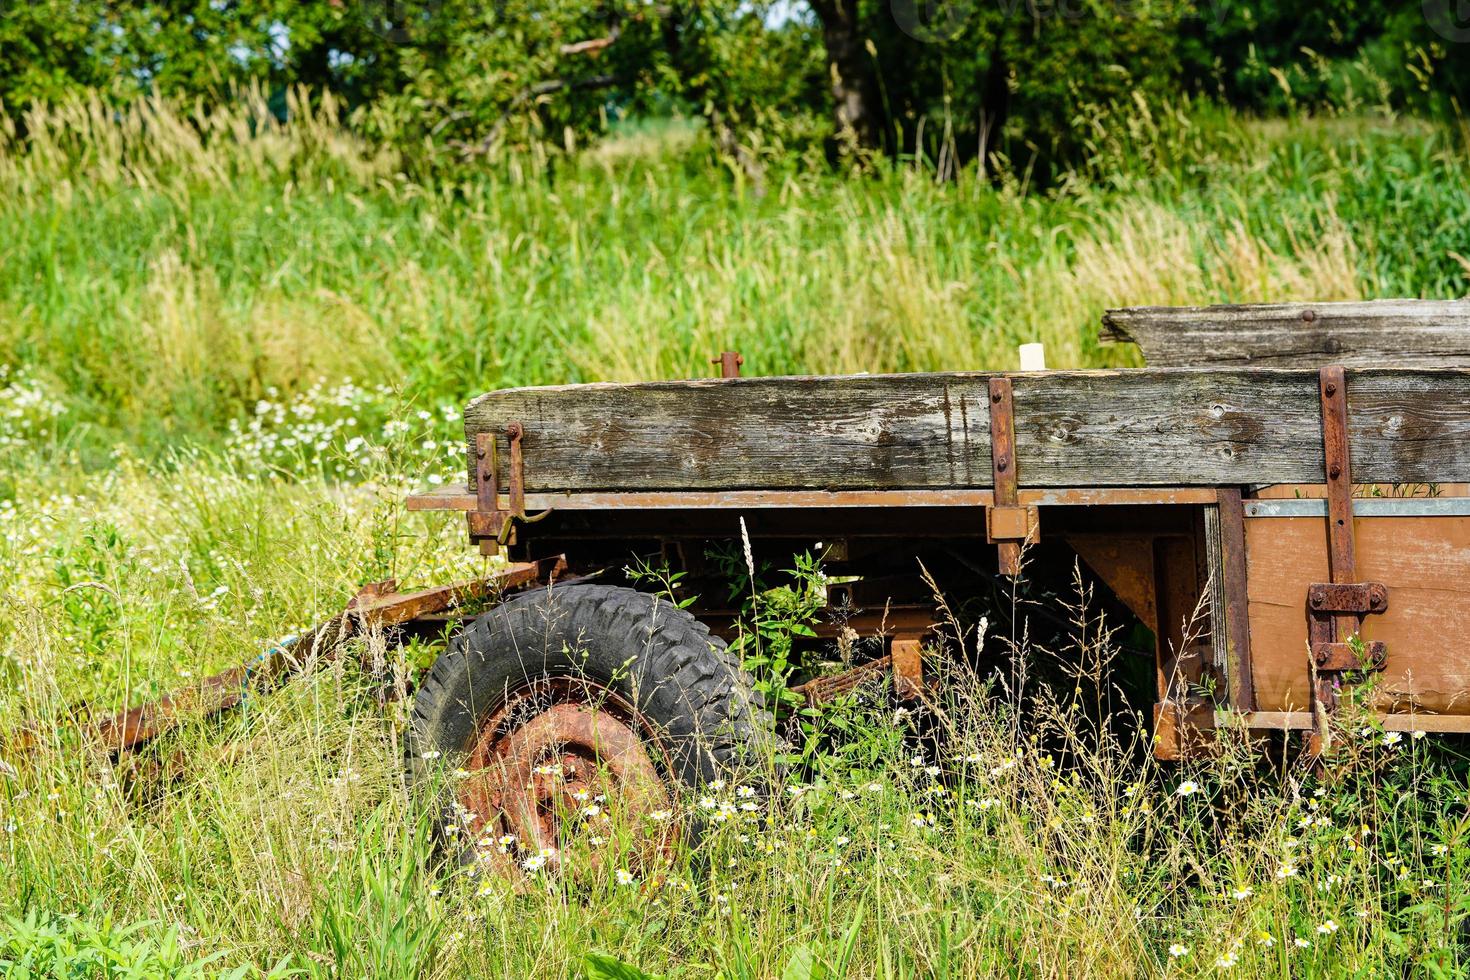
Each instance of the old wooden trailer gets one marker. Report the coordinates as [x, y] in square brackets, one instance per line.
[1282, 504]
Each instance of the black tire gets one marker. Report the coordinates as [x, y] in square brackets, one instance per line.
[642, 648]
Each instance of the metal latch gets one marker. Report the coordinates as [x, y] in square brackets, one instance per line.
[490, 524]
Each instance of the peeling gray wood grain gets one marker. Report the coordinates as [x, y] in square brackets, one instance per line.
[917, 431]
[1378, 333]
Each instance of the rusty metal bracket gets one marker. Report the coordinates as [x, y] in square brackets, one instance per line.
[729, 362]
[490, 524]
[1335, 609]
[1007, 524]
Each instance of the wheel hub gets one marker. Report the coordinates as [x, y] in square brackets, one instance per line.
[559, 761]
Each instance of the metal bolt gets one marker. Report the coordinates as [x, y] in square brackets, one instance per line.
[1335, 470]
[1375, 600]
[995, 397]
[1309, 315]
[1003, 463]
[1317, 601]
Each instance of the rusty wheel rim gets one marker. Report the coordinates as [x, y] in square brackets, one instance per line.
[564, 758]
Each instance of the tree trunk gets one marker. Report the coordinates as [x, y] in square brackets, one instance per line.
[857, 109]
[995, 104]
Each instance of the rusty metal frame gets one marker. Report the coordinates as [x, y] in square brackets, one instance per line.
[459, 499]
[376, 606]
[904, 660]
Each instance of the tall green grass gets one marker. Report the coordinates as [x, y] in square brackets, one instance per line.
[165, 280]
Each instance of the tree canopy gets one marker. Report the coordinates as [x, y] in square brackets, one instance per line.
[955, 79]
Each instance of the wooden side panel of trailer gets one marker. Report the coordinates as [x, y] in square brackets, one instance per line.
[1424, 561]
[1179, 428]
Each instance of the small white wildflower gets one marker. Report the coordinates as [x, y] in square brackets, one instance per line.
[623, 877]
[1177, 950]
[1241, 894]
[1327, 928]
[1187, 788]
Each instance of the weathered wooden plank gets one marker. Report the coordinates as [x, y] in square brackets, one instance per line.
[1073, 429]
[1379, 333]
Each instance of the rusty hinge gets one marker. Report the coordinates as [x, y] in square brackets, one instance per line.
[489, 523]
[1007, 524]
[1327, 604]
[1335, 609]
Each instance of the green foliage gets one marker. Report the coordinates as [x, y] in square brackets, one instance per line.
[454, 83]
[600, 966]
[772, 617]
[1341, 54]
[373, 919]
[35, 947]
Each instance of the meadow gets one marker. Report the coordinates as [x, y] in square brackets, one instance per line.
[228, 347]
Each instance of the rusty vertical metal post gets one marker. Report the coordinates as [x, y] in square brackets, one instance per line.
[729, 362]
[487, 493]
[1341, 557]
[1003, 459]
[516, 478]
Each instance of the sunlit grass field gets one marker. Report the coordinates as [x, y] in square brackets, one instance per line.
[226, 357]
